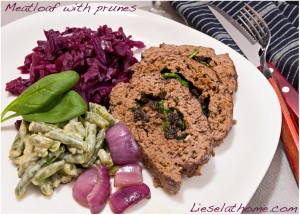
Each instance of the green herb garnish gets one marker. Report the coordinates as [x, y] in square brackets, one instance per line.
[194, 53]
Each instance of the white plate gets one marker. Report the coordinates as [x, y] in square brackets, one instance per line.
[231, 177]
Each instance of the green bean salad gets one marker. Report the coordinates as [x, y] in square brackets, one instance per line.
[48, 155]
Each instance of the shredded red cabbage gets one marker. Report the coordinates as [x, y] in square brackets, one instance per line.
[101, 57]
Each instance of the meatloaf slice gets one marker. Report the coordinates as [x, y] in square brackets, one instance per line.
[168, 158]
[222, 64]
[212, 90]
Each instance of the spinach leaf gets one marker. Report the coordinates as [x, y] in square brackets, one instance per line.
[66, 107]
[41, 93]
[204, 105]
[176, 76]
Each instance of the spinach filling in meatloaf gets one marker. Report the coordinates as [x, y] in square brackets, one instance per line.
[178, 105]
[173, 123]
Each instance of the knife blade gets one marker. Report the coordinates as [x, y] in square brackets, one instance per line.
[250, 48]
[289, 130]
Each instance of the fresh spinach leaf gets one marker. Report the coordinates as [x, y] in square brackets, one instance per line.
[66, 107]
[41, 93]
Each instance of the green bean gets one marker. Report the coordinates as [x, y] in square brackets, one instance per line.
[23, 129]
[25, 161]
[42, 152]
[70, 170]
[73, 150]
[46, 187]
[29, 156]
[47, 171]
[96, 119]
[74, 159]
[91, 130]
[41, 127]
[40, 141]
[55, 179]
[98, 146]
[32, 170]
[66, 179]
[79, 128]
[18, 145]
[75, 128]
[66, 138]
[105, 158]
[102, 111]
[55, 146]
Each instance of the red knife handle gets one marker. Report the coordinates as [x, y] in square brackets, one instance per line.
[289, 133]
[289, 93]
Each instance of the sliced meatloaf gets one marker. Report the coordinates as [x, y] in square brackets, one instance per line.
[164, 118]
[216, 80]
[221, 64]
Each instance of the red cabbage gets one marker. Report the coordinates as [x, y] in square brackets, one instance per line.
[101, 57]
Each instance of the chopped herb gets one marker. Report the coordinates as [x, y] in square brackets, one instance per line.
[204, 105]
[176, 76]
[132, 109]
[181, 124]
[160, 105]
[182, 136]
[194, 53]
[165, 124]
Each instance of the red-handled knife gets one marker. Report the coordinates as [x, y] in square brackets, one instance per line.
[289, 93]
[251, 50]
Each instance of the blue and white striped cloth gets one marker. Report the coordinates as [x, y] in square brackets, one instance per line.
[281, 17]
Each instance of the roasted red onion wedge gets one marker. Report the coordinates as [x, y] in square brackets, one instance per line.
[122, 146]
[84, 185]
[92, 188]
[127, 196]
[130, 174]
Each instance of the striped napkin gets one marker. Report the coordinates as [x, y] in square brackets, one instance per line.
[281, 17]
